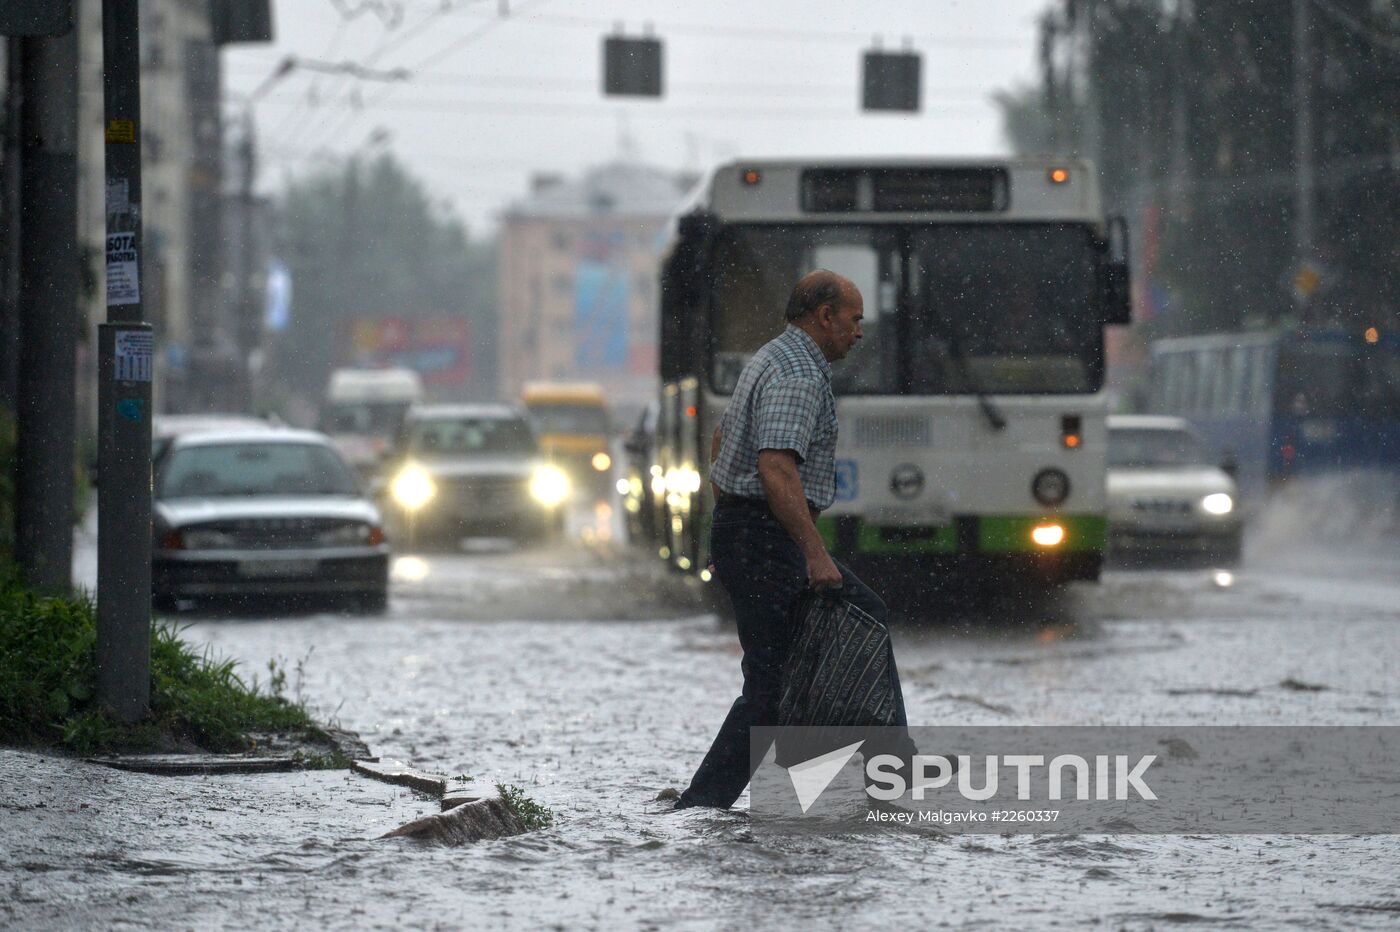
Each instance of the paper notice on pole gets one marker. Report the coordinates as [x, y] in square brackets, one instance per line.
[134, 349]
[118, 197]
[123, 283]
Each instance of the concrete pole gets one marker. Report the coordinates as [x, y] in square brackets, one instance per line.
[124, 370]
[48, 310]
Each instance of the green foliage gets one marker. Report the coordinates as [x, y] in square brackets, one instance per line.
[7, 487]
[531, 813]
[1189, 111]
[364, 240]
[48, 681]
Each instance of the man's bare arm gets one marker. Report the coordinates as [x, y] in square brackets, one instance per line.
[782, 486]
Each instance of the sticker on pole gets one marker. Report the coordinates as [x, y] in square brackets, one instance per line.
[123, 281]
[134, 349]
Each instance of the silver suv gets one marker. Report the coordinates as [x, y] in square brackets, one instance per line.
[472, 471]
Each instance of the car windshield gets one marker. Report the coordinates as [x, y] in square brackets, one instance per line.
[253, 469]
[470, 436]
[1146, 448]
[569, 419]
[369, 418]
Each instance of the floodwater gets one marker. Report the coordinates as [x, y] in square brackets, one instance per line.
[595, 716]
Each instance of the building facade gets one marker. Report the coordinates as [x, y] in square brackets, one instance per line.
[578, 281]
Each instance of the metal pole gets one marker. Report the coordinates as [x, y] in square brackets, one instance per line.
[48, 311]
[124, 369]
[1302, 130]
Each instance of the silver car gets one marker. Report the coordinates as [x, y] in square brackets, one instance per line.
[472, 471]
[263, 512]
[1166, 495]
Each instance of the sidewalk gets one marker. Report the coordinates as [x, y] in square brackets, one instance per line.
[86, 845]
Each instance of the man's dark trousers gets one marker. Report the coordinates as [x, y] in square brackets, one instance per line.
[763, 571]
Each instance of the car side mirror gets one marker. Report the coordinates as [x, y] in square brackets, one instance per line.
[1115, 284]
[1230, 464]
[635, 443]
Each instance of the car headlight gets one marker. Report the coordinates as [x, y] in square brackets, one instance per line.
[206, 539]
[549, 486]
[1218, 503]
[602, 462]
[413, 488]
[349, 535]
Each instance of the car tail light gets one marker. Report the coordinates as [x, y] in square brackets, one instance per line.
[173, 540]
[376, 535]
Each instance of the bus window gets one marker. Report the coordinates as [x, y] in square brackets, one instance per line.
[1259, 379]
[1002, 309]
[1236, 401]
[755, 269]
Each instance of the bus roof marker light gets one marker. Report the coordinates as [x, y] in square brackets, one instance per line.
[1048, 535]
[1059, 175]
[1372, 335]
[752, 176]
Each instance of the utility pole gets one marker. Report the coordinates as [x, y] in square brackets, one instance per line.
[48, 309]
[9, 231]
[125, 347]
[1302, 131]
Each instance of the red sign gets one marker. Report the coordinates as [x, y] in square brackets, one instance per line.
[437, 348]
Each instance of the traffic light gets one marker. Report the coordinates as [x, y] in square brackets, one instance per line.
[631, 67]
[891, 81]
[36, 17]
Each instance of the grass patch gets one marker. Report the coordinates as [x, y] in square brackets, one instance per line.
[48, 681]
[531, 813]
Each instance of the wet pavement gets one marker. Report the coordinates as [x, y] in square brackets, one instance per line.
[519, 667]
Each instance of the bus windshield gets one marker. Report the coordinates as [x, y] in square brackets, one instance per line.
[1007, 309]
[951, 309]
[569, 418]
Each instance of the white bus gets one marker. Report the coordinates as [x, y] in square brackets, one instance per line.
[972, 414]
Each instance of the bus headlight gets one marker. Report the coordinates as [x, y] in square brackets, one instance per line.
[602, 462]
[1050, 487]
[412, 488]
[1218, 503]
[549, 486]
[1048, 535]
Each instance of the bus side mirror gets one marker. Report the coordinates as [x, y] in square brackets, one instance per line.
[1117, 291]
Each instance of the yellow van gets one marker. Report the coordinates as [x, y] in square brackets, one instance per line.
[572, 424]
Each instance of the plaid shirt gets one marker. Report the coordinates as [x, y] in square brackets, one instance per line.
[783, 402]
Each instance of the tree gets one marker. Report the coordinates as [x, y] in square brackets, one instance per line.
[1189, 107]
[363, 240]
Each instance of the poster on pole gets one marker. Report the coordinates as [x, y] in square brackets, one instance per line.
[123, 282]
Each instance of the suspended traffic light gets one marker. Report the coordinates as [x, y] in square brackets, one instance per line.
[35, 17]
[891, 81]
[631, 67]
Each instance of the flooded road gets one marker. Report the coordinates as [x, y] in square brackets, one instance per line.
[519, 668]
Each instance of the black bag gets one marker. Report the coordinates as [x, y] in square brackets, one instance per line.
[837, 675]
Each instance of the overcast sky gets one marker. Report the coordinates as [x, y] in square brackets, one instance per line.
[493, 99]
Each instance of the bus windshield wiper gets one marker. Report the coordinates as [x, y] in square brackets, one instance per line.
[984, 401]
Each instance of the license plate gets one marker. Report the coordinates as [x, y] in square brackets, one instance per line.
[264, 569]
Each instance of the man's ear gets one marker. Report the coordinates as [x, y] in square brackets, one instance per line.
[826, 315]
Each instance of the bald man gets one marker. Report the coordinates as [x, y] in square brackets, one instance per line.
[774, 472]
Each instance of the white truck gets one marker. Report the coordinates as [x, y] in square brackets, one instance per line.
[364, 409]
